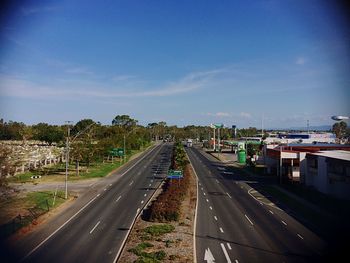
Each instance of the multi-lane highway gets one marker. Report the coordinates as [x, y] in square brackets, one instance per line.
[97, 229]
[234, 226]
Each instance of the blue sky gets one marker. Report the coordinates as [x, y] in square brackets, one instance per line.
[183, 62]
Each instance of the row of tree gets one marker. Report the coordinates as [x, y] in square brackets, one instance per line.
[122, 124]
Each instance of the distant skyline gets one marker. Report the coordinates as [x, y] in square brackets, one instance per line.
[182, 62]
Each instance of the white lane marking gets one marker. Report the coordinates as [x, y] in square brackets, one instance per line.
[208, 256]
[202, 188]
[228, 195]
[105, 189]
[92, 230]
[217, 180]
[210, 207]
[199, 183]
[145, 195]
[142, 202]
[110, 184]
[151, 181]
[270, 211]
[207, 200]
[215, 217]
[236, 261]
[118, 198]
[98, 195]
[229, 246]
[149, 184]
[204, 193]
[221, 230]
[147, 189]
[225, 253]
[284, 223]
[249, 220]
[131, 182]
[300, 236]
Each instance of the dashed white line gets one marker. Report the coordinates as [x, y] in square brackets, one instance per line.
[217, 180]
[98, 195]
[145, 195]
[92, 230]
[221, 230]
[284, 223]
[270, 211]
[118, 198]
[300, 236]
[229, 246]
[142, 202]
[105, 189]
[204, 193]
[228, 195]
[131, 182]
[210, 207]
[110, 184]
[207, 200]
[236, 261]
[149, 184]
[249, 220]
[225, 253]
[215, 217]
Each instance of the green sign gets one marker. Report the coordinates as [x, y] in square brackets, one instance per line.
[175, 174]
[117, 152]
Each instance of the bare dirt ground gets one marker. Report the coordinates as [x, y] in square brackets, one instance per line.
[178, 245]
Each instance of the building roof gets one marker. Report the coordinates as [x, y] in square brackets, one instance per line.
[337, 154]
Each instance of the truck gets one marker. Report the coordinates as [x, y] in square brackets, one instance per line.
[189, 143]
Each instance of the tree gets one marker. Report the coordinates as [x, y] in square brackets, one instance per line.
[81, 125]
[6, 167]
[339, 128]
[124, 121]
[48, 133]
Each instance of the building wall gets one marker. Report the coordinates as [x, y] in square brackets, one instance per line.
[325, 180]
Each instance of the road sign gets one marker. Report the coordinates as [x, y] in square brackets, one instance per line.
[117, 152]
[175, 174]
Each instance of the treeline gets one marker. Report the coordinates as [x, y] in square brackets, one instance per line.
[120, 125]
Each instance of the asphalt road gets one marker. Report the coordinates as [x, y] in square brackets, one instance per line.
[95, 228]
[234, 226]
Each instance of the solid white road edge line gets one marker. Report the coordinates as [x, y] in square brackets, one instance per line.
[249, 220]
[58, 229]
[195, 214]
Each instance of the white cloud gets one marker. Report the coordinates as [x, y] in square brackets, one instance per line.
[37, 9]
[20, 87]
[300, 61]
[245, 115]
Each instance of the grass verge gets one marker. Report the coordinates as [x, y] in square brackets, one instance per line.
[20, 212]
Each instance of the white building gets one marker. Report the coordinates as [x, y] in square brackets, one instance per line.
[329, 172]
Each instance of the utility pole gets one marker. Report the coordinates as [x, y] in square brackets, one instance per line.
[214, 140]
[67, 159]
[124, 148]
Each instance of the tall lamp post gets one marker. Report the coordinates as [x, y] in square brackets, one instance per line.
[67, 152]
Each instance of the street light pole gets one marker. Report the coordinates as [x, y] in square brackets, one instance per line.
[67, 160]
[67, 152]
[124, 148]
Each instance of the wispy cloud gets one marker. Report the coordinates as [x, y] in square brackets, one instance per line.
[300, 61]
[37, 9]
[79, 70]
[20, 87]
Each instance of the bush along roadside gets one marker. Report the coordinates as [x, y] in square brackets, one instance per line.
[167, 206]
